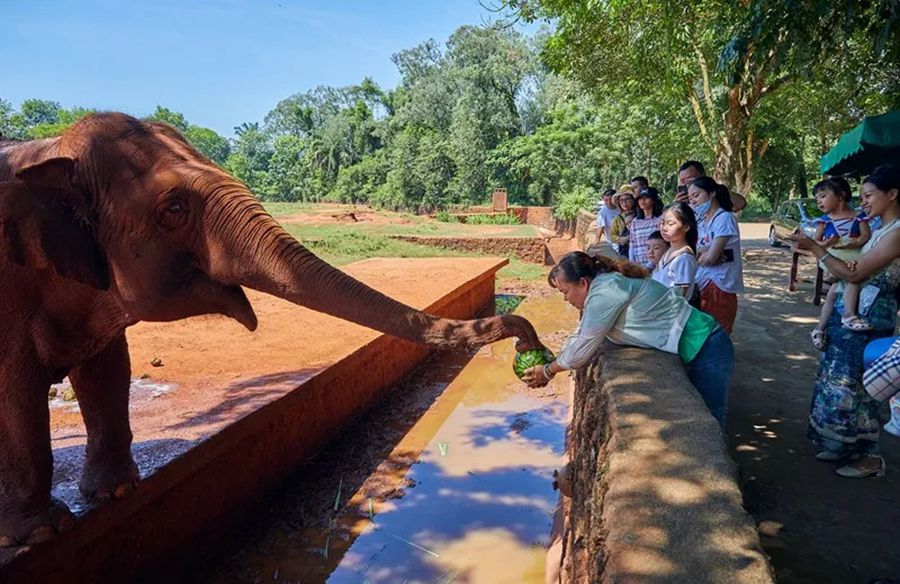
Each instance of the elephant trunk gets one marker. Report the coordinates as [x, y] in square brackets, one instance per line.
[263, 256]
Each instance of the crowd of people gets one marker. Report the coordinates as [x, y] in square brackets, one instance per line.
[675, 286]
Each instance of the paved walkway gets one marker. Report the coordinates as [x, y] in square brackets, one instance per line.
[816, 526]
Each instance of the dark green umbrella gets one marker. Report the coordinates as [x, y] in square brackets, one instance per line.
[874, 141]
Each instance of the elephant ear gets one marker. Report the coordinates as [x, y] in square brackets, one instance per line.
[40, 230]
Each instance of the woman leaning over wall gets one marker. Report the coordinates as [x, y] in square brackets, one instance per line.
[620, 303]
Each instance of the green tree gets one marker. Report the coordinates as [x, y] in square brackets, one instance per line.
[36, 112]
[11, 122]
[208, 142]
[250, 157]
[64, 119]
[727, 60]
[167, 116]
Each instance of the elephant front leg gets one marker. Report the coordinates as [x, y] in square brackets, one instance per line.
[27, 512]
[101, 385]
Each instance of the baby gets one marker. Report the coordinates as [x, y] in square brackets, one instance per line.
[843, 232]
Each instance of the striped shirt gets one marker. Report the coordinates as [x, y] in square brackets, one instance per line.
[637, 244]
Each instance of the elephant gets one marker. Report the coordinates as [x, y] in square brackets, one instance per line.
[116, 221]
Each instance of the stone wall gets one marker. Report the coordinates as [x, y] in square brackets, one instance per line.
[586, 229]
[527, 249]
[537, 216]
[654, 492]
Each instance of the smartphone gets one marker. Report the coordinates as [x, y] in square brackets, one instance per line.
[728, 254]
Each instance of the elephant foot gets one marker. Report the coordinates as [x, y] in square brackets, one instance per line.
[108, 480]
[25, 529]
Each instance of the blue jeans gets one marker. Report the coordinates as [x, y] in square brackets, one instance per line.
[710, 372]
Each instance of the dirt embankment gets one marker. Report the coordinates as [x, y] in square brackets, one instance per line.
[527, 249]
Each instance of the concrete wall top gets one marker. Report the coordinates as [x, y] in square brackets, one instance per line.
[671, 506]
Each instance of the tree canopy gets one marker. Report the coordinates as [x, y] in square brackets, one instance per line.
[756, 75]
[758, 89]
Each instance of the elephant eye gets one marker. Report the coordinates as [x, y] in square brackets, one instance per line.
[173, 213]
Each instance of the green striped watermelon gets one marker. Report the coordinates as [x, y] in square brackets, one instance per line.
[525, 361]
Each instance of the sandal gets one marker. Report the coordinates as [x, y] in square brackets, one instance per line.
[856, 324]
[819, 339]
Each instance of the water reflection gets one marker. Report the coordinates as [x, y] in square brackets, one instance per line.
[482, 504]
[471, 497]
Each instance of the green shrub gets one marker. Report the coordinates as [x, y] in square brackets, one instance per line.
[569, 203]
[499, 219]
[757, 209]
[446, 217]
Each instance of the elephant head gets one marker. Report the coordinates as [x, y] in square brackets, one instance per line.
[129, 206]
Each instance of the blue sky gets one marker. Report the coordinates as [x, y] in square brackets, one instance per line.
[219, 62]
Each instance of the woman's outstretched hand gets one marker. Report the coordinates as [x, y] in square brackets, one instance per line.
[534, 377]
[801, 242]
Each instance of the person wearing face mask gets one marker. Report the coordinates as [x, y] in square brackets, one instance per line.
[693, 169]
[720, 270]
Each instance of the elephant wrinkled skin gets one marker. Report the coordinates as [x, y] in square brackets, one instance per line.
[118, 221]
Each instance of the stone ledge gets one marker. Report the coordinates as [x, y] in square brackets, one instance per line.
[527, 249]
[655, 492]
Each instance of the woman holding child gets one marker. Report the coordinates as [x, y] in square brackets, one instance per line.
[620, 303]
[843, 420]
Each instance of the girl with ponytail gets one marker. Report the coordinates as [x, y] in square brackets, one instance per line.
[720, 275]
[620, 303]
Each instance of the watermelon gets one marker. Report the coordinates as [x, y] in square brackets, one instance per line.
[525, 361]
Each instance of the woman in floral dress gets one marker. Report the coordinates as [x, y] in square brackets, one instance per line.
[843, 420]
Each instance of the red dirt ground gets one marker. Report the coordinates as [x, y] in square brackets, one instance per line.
[221, 371]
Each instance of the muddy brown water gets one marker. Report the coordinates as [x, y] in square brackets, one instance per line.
[449, 481]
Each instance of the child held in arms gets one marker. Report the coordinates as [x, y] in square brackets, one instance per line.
[843, 232]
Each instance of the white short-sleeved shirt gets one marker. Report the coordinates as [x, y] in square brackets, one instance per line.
[727, 276]
[678, 269]
[605, 218]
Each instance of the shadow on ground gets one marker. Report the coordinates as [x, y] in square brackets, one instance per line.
[816, 526]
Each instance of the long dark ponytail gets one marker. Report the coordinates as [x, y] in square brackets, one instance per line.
[721, 192]
[577, 265]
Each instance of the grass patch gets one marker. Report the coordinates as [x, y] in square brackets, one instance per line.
[340, 245]
[283, 209]
[498, 219]
[522, 271]
[431, 228]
